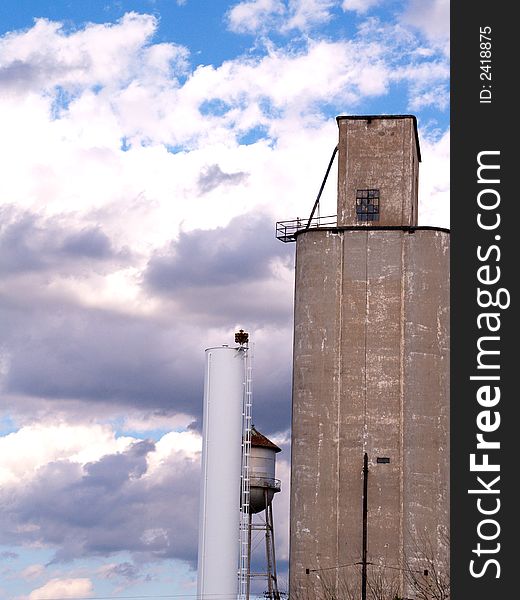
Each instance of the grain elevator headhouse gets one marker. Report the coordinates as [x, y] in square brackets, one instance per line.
[378, 166]
[370, 415]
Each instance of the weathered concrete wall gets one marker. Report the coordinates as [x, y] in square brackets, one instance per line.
[378, 153]
[426, 391]
[314, 510]
[370, 375]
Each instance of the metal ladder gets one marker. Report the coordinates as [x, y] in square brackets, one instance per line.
[245, 484]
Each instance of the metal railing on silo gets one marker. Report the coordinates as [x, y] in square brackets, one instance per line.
[286, 231]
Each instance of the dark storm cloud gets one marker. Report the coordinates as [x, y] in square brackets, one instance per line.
[85, 512]
[115, 469]
[102, 359]
[20, 243]
[89, 242]
[213, 176]
[90, 360]
[29, 243]
[125, 570]
[239, 253]
[78, 353]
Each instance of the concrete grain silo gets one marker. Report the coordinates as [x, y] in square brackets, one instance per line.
[370, 377]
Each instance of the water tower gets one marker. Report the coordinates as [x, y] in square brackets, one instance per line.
[263, 487]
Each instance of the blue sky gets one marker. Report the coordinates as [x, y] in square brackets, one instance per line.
[149, 147]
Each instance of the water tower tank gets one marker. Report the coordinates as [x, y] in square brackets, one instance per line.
[264, 485]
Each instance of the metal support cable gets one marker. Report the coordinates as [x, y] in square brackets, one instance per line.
[322, 186]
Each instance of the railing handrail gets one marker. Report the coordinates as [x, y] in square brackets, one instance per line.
[265, 482]
[286, 230]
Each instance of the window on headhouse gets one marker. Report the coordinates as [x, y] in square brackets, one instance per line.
[367, 205]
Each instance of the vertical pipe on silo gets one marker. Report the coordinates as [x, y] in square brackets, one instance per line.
[219, 520]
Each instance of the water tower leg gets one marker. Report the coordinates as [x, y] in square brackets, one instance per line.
[276, 593]
[272, 584]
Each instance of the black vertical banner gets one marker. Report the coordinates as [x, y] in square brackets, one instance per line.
[485, 453]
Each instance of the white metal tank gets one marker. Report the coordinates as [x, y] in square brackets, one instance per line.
[219, 520]
[264, 485]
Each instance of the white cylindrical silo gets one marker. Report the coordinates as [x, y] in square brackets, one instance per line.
[219, 521]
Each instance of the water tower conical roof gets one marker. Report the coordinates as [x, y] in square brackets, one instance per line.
[259, 440]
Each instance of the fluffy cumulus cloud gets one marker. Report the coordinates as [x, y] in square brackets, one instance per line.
[432, 18]
[138, 204]
[305, 13]
[251, 16]
[256, 16]
[33, 571]
[34, 446]
[360, 6]
[112, 226]
[434, 182]
[62, 588]
[286, 16]
[45, 56]
[87, 492]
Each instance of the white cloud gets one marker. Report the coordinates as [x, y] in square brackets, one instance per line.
[304, 14]
[186, 443]
[125, 157]
[248, 17]
[259, 16]
[283, 16]
[33, 571]
[63, 588]
[283, 82]
[434, 181]
[45, 56]
[81, 496]
[23, 452]
[62, 167]
[67, 167]
[359, 6]
[373, 80]
[428, 84]
[431, 18]
[78, 173]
